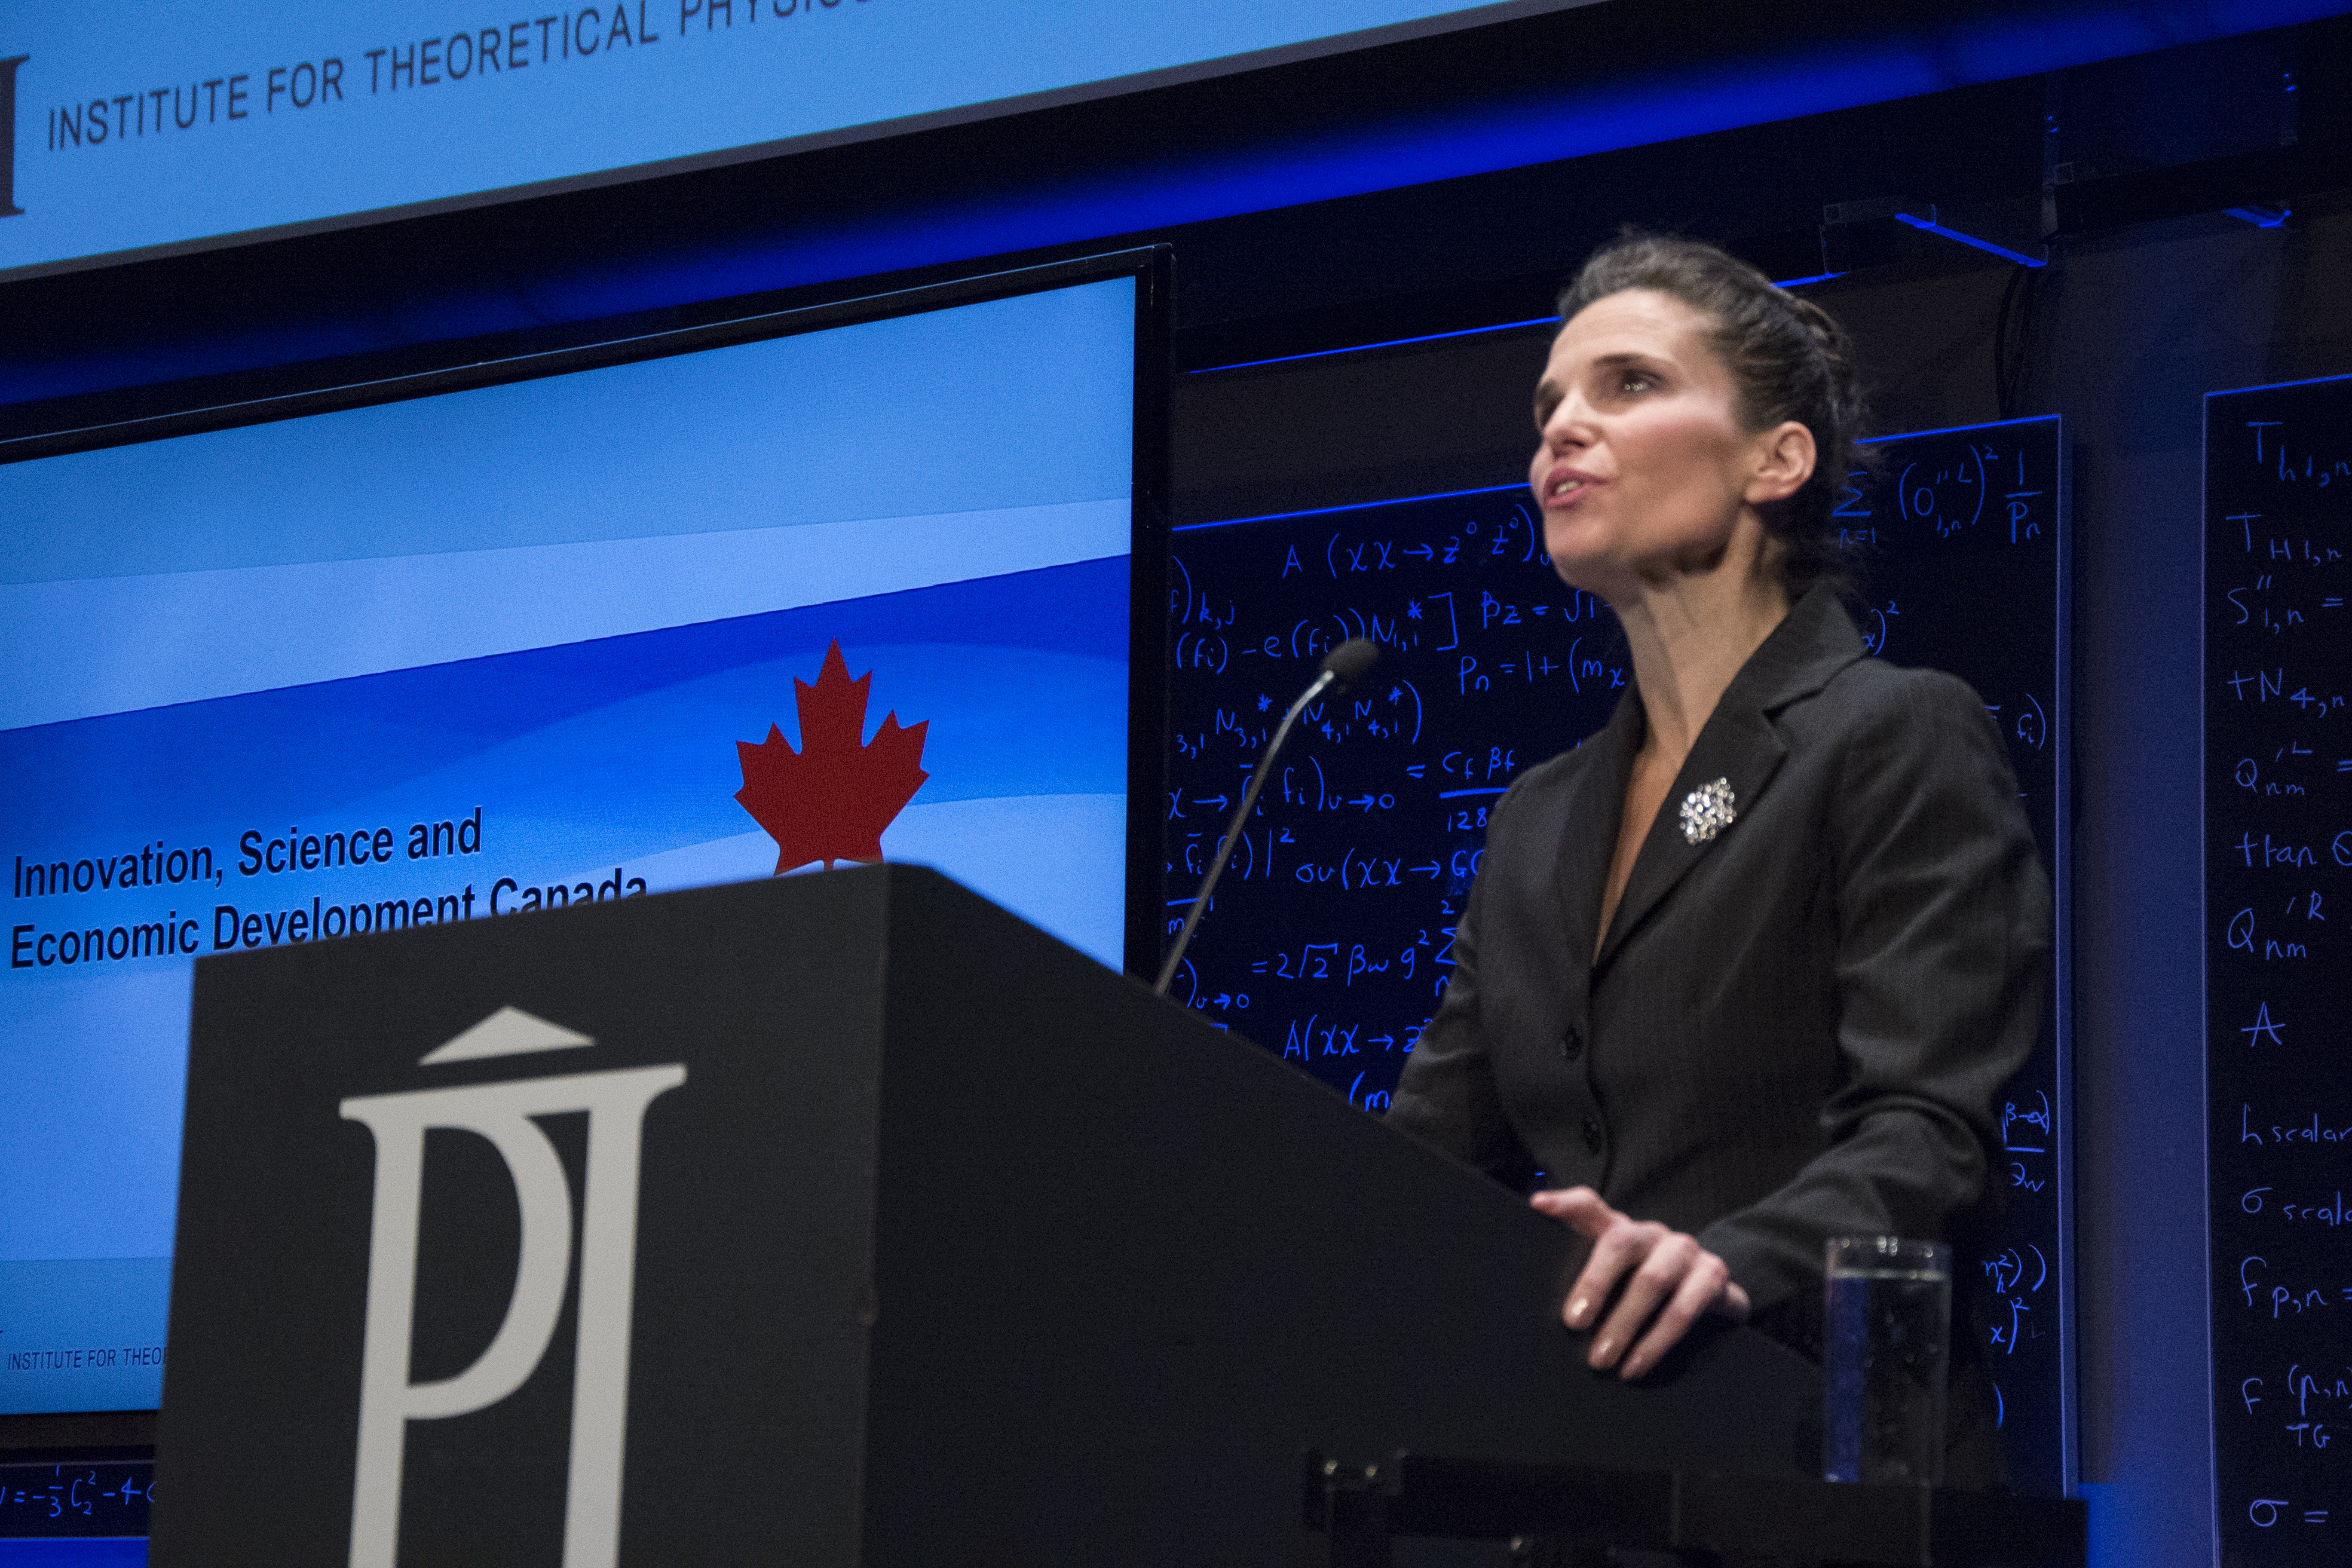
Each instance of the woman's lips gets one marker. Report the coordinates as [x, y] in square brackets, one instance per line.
[1564, 487]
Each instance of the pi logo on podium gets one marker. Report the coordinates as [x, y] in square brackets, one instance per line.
[503, 1113]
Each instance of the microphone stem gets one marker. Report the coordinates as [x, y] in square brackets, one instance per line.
[1234, 832]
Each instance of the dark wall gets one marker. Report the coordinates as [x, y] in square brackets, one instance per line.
[2130, 326]
[2127, 328]
[2143, 320]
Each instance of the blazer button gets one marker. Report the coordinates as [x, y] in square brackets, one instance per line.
[1593, 1135]
[1571, 1043]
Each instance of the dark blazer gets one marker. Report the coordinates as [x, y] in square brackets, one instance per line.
[1794, 1028]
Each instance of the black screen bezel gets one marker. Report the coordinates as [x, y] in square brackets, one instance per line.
[126, 1433]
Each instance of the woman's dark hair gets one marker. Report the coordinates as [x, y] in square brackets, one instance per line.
[1788, 359]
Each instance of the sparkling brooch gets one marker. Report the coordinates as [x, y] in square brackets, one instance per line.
[1706, 811]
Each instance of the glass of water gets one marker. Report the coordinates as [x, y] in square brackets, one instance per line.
[1888, 1345]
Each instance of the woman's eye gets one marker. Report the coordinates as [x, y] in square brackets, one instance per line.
[1633, 382]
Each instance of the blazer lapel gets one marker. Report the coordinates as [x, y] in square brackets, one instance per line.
[1739, 748]
[1587, 837]
[1738, 745]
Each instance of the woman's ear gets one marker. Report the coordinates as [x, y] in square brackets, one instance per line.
[1784, 458]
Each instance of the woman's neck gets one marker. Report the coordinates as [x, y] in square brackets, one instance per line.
[1690, 635]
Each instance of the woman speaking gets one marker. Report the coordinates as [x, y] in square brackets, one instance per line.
[1743, 971]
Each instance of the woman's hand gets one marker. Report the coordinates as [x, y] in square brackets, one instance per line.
[1671, 1275]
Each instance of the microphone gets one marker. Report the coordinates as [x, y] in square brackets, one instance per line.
[1341, 667]
[1345, 665]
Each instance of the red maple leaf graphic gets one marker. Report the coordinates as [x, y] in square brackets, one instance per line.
[831, 799]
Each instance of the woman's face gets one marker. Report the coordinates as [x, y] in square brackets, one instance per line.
[1642, 470]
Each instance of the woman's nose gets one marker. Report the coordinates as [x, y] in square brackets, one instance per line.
[1567, 429]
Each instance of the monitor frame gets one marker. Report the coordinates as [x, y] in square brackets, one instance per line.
[153, 412]
[1150, 267]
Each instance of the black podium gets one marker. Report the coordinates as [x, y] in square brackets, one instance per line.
[835, 1219]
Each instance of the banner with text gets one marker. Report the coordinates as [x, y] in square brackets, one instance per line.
[148, 125]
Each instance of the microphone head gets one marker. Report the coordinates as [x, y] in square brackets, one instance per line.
[1346, 663]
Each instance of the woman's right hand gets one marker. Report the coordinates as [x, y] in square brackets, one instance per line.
[1665, 1272]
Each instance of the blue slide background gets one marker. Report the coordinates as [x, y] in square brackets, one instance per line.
[562, 602]
[617, 753]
